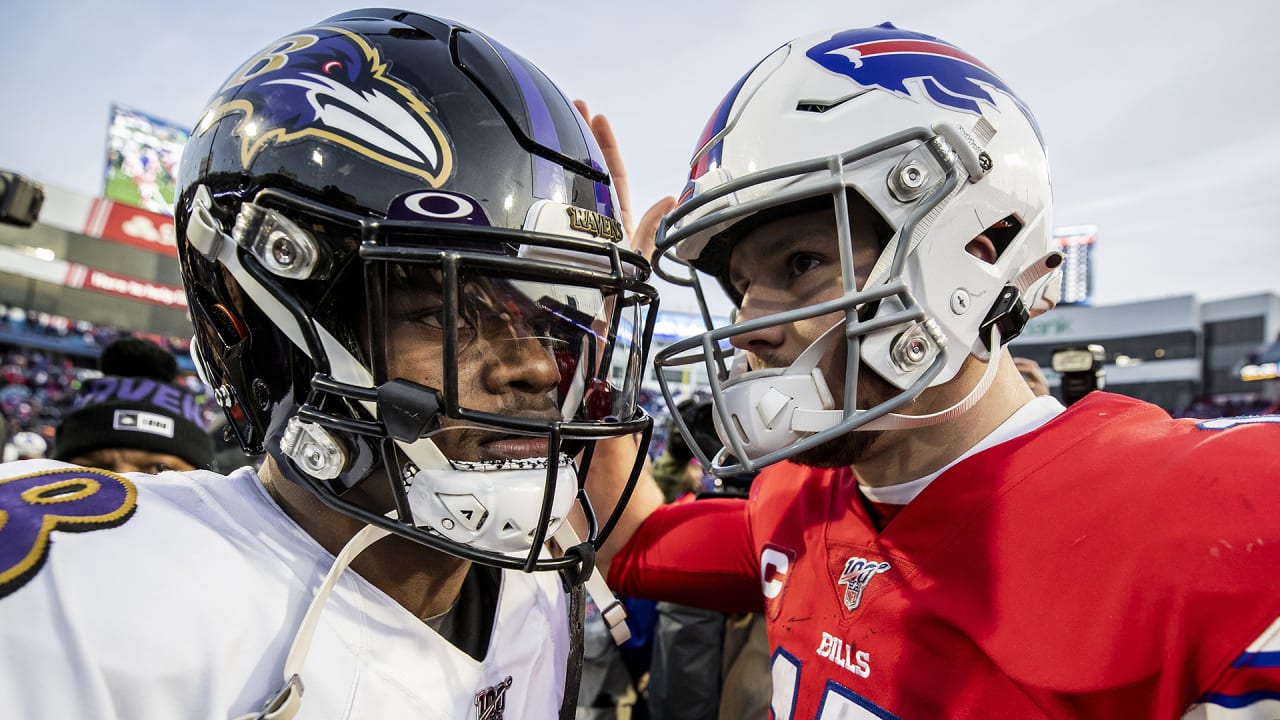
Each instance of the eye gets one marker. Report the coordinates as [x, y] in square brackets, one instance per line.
[433, 317]
[802, 262]
[331, 67]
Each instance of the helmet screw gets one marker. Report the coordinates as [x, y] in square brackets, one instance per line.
[912, 176]
[911, 348]
[282, 249]
[262, 394]
[223, 395]
[313, 456]
[960, 302]
[446, 523]
[984, 161]
[915, 350]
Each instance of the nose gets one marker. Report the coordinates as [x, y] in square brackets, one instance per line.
[762, 339]
[522, 364]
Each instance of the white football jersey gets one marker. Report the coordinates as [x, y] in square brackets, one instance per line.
[178, 596]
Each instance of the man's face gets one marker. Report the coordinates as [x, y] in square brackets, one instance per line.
[792, 263]
[123, 460]
[507, 360]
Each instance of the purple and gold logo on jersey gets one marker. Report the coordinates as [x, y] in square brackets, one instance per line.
[492, 701]
[330, 84]
[68, 500]
[858, 572]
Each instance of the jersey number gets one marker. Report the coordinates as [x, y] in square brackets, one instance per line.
[70, 500]
[838, 701]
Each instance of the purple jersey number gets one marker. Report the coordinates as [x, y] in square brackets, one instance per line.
[70, 500]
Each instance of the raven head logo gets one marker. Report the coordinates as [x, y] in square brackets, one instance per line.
[329, 83]
[886, 57]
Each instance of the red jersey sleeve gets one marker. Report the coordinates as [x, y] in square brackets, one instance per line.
[692, 553]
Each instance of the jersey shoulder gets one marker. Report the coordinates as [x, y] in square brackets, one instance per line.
[1106, 437]
[87, 525]
[41, 498]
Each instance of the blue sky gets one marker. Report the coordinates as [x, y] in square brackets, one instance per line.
[1160, 117]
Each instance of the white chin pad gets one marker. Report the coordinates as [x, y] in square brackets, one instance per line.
[762, 404]
[491, 507]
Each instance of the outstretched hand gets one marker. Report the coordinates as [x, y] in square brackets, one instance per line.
[642, 235]
[613, 459]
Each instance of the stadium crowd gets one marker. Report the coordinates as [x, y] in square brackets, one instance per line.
[38, 386]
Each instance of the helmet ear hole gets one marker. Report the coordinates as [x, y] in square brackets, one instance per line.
[229, 326]
[982, 248]
[1002, 234]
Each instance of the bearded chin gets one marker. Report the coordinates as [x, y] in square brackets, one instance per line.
[843, 451]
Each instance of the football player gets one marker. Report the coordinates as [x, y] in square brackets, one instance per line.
[928, 538]
[405, 266]
[137, 417]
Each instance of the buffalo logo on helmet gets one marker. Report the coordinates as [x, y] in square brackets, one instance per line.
[330, 83]
[886, 57]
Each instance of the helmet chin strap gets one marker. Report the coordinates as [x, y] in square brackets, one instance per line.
[816, 420]
[286, 702]
[812, 421]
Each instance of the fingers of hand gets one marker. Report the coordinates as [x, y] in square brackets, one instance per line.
[644, 239]
[608, 144]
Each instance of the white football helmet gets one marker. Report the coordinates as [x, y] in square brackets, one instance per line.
[942, 150]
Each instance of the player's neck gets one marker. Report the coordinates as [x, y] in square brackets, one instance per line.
[900, 456]
[424, 581]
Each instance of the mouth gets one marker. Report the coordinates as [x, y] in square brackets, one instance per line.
[514, 447]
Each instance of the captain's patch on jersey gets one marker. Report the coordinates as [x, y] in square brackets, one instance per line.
[68, 500]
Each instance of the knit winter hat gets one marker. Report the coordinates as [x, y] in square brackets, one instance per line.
[139, 414]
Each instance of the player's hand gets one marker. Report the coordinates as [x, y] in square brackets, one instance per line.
[608, 143]
[613, 459]
[642, 235]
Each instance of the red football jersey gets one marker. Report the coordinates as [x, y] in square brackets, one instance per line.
[1114, 563]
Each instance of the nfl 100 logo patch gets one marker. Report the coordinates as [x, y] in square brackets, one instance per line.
[492, 701]
[858, 572]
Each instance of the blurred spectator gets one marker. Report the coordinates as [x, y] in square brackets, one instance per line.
[25, 446]
[35, 387]
[135, 418]
[675, 470]
[705, 664]
[82, 332]
[1031, 372]
[1207, 408]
